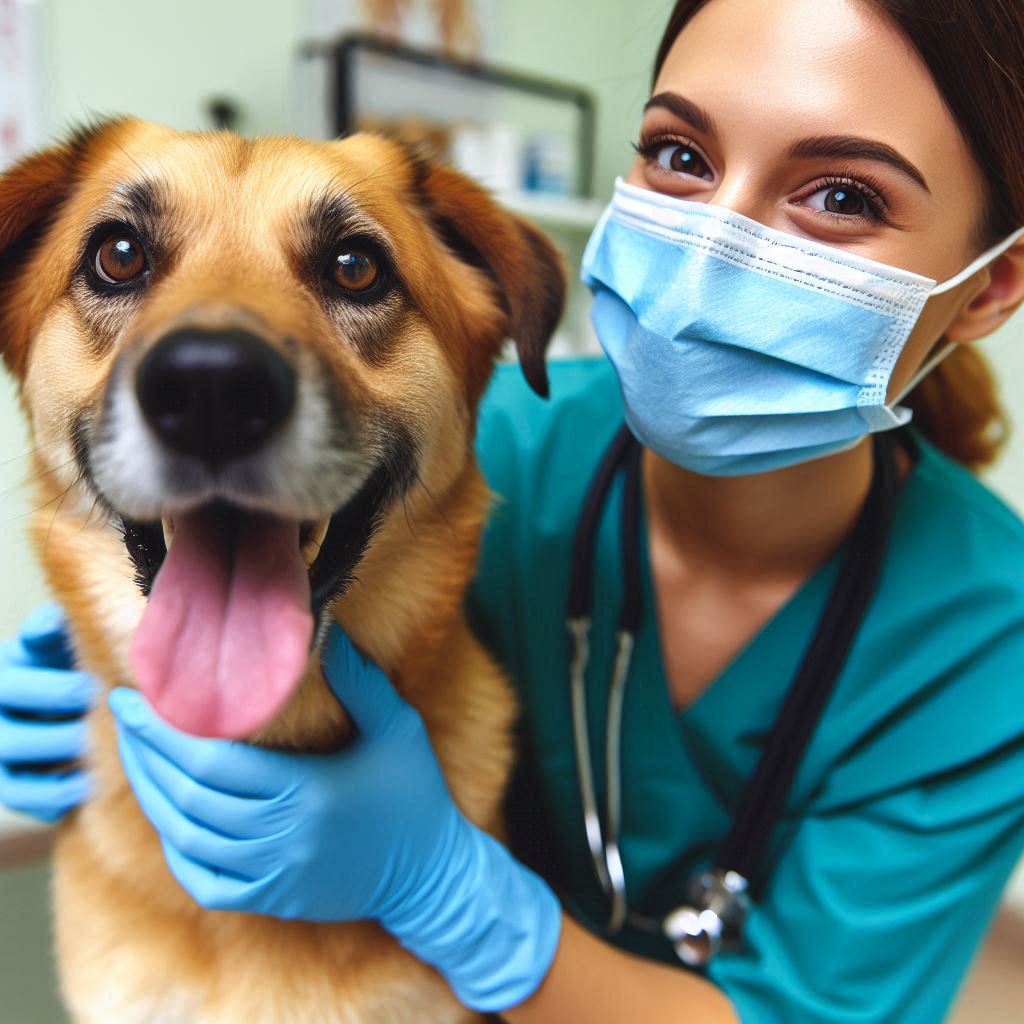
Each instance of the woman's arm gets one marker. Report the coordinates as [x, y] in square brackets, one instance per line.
[594, 982]
[372, 832]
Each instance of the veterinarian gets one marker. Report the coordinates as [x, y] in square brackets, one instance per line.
[823, 208]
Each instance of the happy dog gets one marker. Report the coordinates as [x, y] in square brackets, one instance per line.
[267, 353]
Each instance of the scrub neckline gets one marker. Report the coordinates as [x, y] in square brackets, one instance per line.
[805, 601]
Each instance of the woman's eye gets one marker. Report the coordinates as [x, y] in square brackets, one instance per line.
[684, 160]
[841, 199]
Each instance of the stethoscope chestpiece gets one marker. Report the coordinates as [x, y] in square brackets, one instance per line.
[719, 904]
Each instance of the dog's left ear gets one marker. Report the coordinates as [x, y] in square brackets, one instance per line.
[32, 192]
[524, 264]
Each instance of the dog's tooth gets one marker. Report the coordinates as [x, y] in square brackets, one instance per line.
[316, 538]
[320, 531]
[168, 526]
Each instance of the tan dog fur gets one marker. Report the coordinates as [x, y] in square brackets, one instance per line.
[132, 945]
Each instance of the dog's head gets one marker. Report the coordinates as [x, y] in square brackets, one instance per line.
[257, 349]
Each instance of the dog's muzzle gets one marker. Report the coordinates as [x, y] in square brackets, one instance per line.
[248, 487]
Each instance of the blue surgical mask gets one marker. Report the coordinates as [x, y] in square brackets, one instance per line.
[741, 349]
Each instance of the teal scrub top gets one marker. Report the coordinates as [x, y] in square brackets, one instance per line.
[907, 814]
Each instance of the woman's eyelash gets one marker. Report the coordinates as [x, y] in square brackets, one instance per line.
[863, 184]
[648, 146]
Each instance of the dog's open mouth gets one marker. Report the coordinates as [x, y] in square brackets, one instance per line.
[235, 600]
[227, 631]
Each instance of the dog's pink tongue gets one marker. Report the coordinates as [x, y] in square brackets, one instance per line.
[225, 638]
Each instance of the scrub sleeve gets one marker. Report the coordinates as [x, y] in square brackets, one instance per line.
[907, 815]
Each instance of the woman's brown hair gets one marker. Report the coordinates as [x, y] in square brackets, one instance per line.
[974, 50]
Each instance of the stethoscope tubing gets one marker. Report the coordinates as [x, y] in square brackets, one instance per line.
[724, 889]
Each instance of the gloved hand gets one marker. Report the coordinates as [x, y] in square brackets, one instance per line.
[41, 703]
[370, 832]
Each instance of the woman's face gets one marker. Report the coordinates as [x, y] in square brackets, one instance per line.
[817, 117]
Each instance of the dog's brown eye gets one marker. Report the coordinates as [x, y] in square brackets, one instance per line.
[120, 258]
[355, 271]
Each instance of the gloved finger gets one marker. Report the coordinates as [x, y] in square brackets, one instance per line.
[234, 768]
[209, 887]
[26, 742]
[46, 690]
[46, 797]
[242, 857]
[361, 686]
[45, 627]
[235, 817]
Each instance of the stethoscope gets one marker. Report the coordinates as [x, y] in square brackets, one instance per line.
[719, 898]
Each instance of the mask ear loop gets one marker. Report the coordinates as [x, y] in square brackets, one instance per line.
[958, 279]
[925, 369]
[982, 261]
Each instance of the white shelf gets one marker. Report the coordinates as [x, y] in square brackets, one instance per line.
[554, 211]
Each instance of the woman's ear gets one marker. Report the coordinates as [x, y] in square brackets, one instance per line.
[996, 302]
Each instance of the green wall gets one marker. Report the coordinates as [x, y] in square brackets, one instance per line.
[607, 46]
[162, 61]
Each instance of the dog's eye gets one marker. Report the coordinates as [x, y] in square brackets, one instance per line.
[354, 270]
[120, 258]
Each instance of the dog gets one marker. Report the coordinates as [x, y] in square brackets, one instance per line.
[255, 364]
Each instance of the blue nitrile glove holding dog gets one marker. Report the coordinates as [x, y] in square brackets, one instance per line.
[370, 832]
[42, 701]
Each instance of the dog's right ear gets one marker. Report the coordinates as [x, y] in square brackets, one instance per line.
[32, 192]
[523, 263]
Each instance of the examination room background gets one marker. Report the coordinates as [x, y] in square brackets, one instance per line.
[163, 61]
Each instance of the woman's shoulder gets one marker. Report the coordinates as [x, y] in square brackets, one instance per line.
[524, 440]
[934, 679]
[954, 531]
[958, 496]
[537, 456]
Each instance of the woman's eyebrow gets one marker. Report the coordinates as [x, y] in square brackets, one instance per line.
[855, 148]
[684, 109]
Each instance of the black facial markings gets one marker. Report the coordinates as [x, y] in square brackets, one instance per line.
[143, 203]
[370, 320]
[330, 217]
[146, 548]
[139, 209]
[353, 527]
[82, 452]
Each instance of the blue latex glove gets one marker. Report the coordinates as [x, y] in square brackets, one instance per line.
[370, 832]
[42, 701]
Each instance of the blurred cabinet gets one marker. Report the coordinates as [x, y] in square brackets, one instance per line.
[529, 139]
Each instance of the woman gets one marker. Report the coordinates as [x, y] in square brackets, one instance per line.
[817, 134]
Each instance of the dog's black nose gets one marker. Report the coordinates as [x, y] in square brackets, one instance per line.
[216, 395]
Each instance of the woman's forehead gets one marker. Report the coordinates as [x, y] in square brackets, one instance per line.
[798, 68]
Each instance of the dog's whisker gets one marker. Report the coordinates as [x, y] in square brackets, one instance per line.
[85, 525]
[35, 476]
[35, 450]
[408, 521]
[443, 515]
[63, 497]
[47, 504]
